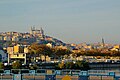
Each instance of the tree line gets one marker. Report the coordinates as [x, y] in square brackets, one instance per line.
[96, 53]
[36, 50]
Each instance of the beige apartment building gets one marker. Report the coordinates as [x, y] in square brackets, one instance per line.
[17, 52]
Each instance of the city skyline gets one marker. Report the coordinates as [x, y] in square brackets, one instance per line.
[71, 21]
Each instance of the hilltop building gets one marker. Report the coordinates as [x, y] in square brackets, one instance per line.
[38, 32]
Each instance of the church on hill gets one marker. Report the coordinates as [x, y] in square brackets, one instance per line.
[38, 32]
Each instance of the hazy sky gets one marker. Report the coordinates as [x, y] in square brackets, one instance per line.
[72, 21]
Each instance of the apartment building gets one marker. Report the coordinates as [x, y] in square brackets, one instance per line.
[17, 52]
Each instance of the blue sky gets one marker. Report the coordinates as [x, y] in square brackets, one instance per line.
[73, 21]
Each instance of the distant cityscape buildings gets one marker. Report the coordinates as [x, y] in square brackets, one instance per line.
[15, 44]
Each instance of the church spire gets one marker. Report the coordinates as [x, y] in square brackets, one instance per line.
[103, 43]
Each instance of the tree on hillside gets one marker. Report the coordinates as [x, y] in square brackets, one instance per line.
[40, 49]
[61, 65]
[59, 52]
[74, 65]
[45, 50]
[1, 65]
[16, 65]
[69, 65]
